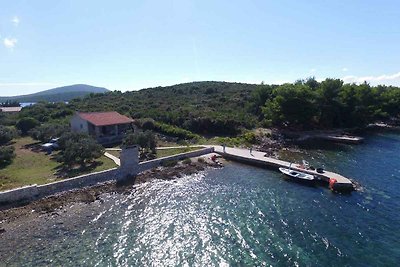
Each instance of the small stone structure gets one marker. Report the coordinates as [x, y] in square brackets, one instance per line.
[129, 162]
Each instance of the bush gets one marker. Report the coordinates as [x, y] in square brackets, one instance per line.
[201, 160]
[174, 131]
[187, 161]
[26, 124]
[7, 119]
[6, 134]
[169, 163]
[7, 155]
[250, 137]
[147, 124]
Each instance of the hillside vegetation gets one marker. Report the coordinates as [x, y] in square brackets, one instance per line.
[220, 108]
[200, 107]
[65, 93]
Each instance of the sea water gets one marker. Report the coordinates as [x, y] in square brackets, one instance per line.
[239, 215]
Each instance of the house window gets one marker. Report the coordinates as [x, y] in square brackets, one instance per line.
[81, 126]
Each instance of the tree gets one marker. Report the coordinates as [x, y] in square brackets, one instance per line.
[7, 155]
[391, 101]
[79, 148]
[292, 105]
[26, 124]
[361, 104]
[145, 140]
[312, 83]
[47, 131]
[259, 96]
[6, 135]
[329, 104]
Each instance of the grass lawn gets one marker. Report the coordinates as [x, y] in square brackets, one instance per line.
[162, 152]
[116, 153]
[173, 151]
[30, 167]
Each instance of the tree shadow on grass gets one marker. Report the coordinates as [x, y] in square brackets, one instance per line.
[35, 147]
[65, 171]
[4, 164]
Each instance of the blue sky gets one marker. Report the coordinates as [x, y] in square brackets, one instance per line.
[129, 45]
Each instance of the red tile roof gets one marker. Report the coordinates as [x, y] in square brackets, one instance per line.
[105, 118]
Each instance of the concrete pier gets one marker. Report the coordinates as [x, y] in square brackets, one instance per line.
[257, 158]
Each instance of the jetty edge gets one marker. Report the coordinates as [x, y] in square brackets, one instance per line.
[257, 158]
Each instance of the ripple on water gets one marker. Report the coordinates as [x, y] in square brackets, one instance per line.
[239, 215]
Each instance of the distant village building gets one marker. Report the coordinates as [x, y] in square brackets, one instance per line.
[105, 127]
[10, 109]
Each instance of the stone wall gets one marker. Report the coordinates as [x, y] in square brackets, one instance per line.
[18, 194]
[146, 165]
[129, 167]
[32, 192]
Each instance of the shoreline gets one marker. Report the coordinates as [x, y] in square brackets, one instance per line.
[48, 206]
[283, 140]
[275, 147]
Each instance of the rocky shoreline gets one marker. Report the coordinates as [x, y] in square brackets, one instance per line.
[50, 205]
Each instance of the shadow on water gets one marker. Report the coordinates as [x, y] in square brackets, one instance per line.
[317, 144]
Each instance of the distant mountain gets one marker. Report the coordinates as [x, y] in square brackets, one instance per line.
[65, 93]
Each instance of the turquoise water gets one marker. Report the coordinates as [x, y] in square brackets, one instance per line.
[240, 216]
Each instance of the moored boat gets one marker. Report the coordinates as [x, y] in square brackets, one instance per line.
[298, 176]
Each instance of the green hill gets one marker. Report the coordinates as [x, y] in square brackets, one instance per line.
[65, 93]
[203, 107]
[223, 108]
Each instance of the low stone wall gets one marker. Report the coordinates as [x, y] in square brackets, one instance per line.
[146, 165]
[18, 194]
[77, 182]
[32, 192]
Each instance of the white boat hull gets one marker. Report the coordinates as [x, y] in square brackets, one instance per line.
[298, 176]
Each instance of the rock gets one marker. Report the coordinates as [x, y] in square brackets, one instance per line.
[2, 230]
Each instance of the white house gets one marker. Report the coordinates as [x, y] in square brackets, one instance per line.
[10, 109]
[105, 127]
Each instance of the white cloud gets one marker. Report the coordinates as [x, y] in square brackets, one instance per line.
[313, 70]
[345, 69]
[10, 42]
[388, 79]
[15, 20]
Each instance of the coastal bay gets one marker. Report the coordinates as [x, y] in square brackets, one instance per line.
[235, 215]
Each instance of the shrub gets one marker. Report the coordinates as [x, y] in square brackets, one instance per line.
[250, 137]
[6, 134]
[201, 160]
[187, 161]
[7, 119]
[147, 124]
[26, 124]
[7, 155]
[174, 131]
[169, 163]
